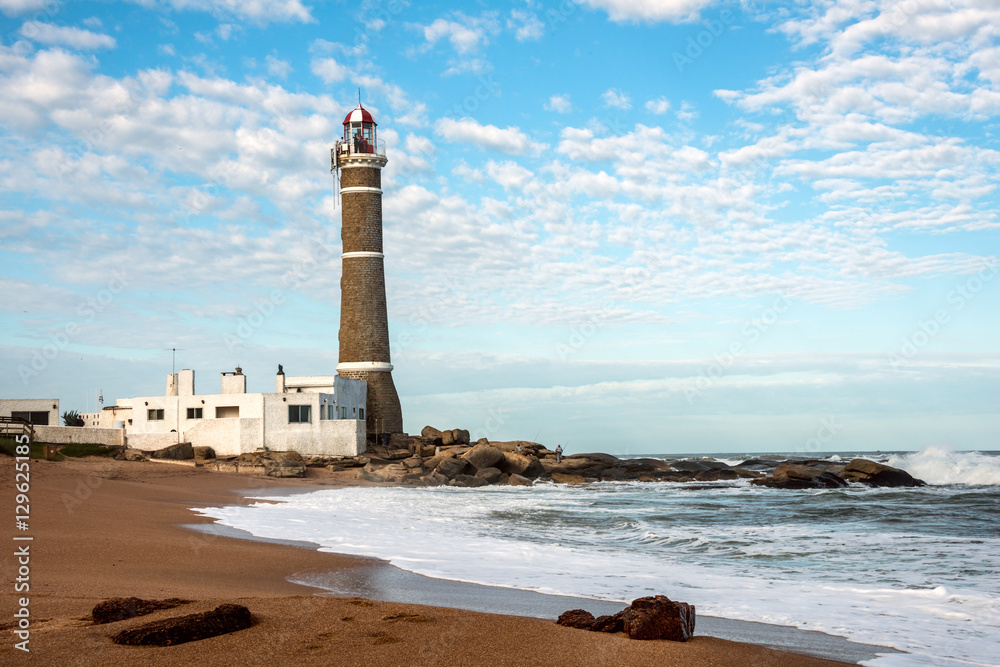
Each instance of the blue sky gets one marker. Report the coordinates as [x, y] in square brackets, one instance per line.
[623, 225]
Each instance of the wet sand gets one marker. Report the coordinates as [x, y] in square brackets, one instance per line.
[106, 529]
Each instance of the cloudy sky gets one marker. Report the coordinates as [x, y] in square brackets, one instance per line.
[622, 225]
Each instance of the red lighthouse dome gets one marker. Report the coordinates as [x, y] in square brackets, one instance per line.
[360, 131]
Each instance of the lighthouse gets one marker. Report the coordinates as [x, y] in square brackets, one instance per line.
[364, 324]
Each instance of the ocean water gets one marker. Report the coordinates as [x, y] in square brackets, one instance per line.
[917, 570]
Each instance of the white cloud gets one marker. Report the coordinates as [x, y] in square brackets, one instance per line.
[465, 35]
[258, 11]
[616, 99]
[18, 7]
[77, 38]
[329, 70]
[508, 174]
[526, 25]
[277, 67]
[658, 106]
[509, 140]
[559, 104]
[650, 10]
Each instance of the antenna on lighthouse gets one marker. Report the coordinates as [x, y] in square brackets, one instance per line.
[173, 358]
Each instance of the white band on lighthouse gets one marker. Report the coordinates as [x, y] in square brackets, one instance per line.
[359, 188]
[362, 253]
[364, 366]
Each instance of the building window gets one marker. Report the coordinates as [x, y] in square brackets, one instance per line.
[154, 415]
[195, 413]
[361, 413]
[331, 412]
[343, 412]
[298, 414]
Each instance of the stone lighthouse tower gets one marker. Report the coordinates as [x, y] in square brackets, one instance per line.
[364, 326]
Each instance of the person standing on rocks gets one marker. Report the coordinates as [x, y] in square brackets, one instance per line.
[558, 453]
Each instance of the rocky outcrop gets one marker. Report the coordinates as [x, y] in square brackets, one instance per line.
[800, 477]
[450, 467]
[222, 620]
[656, 617]
[576, 618]
[484, 456]
[518, 480]
[179, 452]
[119, 609]
[468, 481]
[491, 475]
[868, 472]
[560, 478]
[521, 464]
[283, 464]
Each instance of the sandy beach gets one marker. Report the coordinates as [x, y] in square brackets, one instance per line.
[104, 528]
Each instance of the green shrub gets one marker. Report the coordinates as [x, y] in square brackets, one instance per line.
[78, 449]
[7, 445]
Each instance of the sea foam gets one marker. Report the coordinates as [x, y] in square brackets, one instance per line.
[937, 465]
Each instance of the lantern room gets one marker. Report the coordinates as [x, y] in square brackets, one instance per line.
[360, 131]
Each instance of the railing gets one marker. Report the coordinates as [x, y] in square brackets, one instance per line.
[16, 426]
[356, 147]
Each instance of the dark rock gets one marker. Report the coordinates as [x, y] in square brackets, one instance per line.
[447, 438]
[450, 467]
[179, 452]
[689, 466]
[521, 464]
[468, 481]
[203, 452]
[613, 623]
[877, 474]
[518, 480]
[284, 464]
[484, 456]
[658, 617]
[491, 475]
[435, 479]
[576, 618]
[119, 609]
[788, 476]
[461, 436]
[134, 455]
[222, 620]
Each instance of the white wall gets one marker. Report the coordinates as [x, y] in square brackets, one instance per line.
[67, 434]
[352, 394]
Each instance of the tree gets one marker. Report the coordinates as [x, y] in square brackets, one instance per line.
[72, 418]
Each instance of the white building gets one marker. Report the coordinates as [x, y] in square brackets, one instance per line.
[313, 415]
[37, 411]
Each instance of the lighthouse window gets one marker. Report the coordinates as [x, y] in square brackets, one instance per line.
[154, 415]
[298, 414]
[195, 413]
